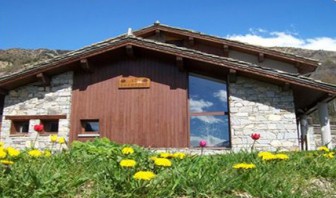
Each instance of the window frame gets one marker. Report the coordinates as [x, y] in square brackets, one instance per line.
[15, 124]
[45, 122]
[210, 113]
[84, 121]
[19, 118]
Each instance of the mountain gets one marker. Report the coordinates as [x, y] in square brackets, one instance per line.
[14, 59]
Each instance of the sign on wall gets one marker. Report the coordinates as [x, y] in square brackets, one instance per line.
[134, 82]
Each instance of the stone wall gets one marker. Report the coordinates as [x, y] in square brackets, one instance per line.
[34, 99]
[258, 107]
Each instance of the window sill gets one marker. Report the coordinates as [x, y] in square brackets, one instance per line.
[48, 134]
[18, 135]
[88, 135]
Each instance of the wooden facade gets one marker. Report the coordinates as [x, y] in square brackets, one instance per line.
[155, 117]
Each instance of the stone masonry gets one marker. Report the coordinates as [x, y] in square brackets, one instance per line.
[258, 107]
[34, 99]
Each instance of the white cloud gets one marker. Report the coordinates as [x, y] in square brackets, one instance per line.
[199, 105]
[221, 94]
[208, 119]
[284, 39]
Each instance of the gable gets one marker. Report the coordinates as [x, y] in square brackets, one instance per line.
[233, 49]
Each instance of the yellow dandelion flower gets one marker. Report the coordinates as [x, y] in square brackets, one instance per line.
[244, 166]
[53, 138]
[269, 157]
[127, 150]
[13, 152]
[162, 162]
[329, 155]
[3, 153]
[127, 163]
[281, 156]
[35, 153]
[6, 162]
[166, 155]
[144, 175]
[47, 153]
[179, 155]
[61, 140]
[323, 148]
[153, 158]
[2, 144]
[263, 153]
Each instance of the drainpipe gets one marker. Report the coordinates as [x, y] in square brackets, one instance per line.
[325, 124]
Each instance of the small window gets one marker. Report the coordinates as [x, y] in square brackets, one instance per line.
[50, 126]
[20, 126]
[90, 126]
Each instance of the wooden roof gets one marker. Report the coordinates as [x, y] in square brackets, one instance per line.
[302, 63]
[307, 91]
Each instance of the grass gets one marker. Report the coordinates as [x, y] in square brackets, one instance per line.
[92, 169]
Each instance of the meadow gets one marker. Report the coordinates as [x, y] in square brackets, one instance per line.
[102, 168]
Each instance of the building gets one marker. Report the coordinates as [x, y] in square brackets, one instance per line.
[167, 87]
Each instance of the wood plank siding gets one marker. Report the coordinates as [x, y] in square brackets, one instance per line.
[152, 117]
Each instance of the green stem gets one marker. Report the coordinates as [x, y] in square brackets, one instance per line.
[33, 146]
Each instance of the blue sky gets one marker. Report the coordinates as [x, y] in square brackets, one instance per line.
[72, 24]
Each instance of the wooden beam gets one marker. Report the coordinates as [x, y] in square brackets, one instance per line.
[286, 87]
[84, 63]
[157, 34]
[191, 41]
[130, 51]
[44, 79]
[226, 50]
[28, 117]
[261, 57]
[3, 91]
[180, 64]
[232, 76]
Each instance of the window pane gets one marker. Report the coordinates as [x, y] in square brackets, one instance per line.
[50, 125]
[91, 126]
[21, 126]
[213, 129]
[207, 95]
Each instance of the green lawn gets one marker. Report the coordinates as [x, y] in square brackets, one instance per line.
[93, 169]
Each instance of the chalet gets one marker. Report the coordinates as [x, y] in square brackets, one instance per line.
[167, 87]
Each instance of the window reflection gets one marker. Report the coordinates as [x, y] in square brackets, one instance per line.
[206, 95]
[208, 110]
[212, 129]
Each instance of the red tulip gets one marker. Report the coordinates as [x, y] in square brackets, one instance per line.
[38, 128]
[255, 136]
[202, 143]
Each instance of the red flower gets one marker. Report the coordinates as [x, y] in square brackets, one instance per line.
[38, 128]
[202, 143]
[255, 136]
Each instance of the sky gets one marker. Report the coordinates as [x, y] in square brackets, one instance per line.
[73, 24]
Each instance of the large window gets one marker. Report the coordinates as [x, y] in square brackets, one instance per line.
[208, 109]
